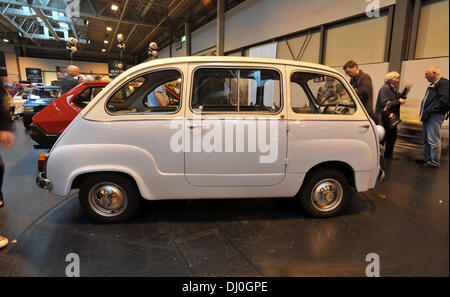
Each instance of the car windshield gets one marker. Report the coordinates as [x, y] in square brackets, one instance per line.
[45, 93]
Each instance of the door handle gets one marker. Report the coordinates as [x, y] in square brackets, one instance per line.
[365, 126]
[195, 126]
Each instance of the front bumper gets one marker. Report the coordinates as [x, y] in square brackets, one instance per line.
[43, 182]
[45, 141]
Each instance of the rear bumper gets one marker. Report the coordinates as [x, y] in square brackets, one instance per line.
[43, 139]
[43, 182]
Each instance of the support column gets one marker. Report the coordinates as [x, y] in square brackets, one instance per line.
[220, 27]
[414, 30]
[187, 34]
[400, 33]
[322, 45]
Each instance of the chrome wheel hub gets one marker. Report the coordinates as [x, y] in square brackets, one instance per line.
[107, 199]
[327, 194]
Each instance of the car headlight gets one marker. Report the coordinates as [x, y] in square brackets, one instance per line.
[381, 132]
[28, 108]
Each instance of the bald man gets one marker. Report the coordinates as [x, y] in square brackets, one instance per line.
[433, 109]
[69, 81]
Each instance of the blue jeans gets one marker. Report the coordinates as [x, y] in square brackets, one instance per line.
[432, 139]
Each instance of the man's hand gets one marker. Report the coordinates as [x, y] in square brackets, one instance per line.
[402, 101]
[7, 139]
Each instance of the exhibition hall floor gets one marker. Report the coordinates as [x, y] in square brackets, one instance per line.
[405, 221]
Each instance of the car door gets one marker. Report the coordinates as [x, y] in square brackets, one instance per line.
[328, 124]
[235, 127]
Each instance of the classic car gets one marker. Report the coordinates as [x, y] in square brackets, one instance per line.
[51, 121]
[37, 99]
[239, 127]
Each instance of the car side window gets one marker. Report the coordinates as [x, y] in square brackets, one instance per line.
[236, 90]
[320, 94]
[158, 91]
[45, 93]
[86, 96]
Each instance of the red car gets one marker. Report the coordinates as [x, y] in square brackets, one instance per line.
[51, 121]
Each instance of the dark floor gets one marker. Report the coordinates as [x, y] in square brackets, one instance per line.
[405, 221]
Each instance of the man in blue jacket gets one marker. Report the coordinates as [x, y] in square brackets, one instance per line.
[433, 109]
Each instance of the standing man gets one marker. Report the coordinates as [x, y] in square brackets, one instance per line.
[6, 140]
[362, 83]
[434, 107]
[69, 81]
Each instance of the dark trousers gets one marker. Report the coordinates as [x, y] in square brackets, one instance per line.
[389, 139]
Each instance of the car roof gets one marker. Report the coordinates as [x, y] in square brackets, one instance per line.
[95, 83]
[232, 59]
[47, 87]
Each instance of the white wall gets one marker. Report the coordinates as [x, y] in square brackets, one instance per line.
[414, 71]
[50, 65]
[257, 20]
[11, 63]
[310, 54]
[432, 36]
[362, 41]
[254, 21]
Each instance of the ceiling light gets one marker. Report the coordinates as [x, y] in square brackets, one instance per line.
[108, 28]
[105, 41]
[114, 7]
[5, 40]
[103, 50]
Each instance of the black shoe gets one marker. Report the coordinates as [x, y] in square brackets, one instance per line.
[420, 161]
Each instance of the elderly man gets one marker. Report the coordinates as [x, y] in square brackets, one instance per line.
[434, 107]
[69, 81]
[362, 83]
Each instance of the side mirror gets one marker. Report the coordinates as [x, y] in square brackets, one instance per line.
[24, 96]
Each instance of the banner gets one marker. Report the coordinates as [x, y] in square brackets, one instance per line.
[115, 68]
[34, 75]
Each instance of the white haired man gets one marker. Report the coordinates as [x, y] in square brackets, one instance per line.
[390, 96]
[434, 107]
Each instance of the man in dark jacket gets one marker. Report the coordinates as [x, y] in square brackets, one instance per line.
[6, 140]
[69, 81]
[362, 83]
[434, 107]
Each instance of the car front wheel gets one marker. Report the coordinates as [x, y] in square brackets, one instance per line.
[324, 193]
[109, 198]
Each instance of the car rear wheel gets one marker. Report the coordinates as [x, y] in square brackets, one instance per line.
[109, 198]
[324, 193]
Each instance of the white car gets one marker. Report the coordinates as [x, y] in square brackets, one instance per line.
[19, 99]
[217, 127]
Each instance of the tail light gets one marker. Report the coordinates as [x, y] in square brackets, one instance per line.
[42, 160]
